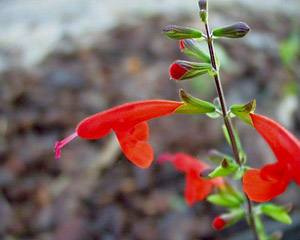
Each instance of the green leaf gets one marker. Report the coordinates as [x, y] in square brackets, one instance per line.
[289, 48]
[226, 134]
[194, 105]
[278, 213]
[242, 111]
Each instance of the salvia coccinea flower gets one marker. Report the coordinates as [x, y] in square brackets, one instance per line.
[128, 121]
[271, 180]
[193, 49]
[182, 70]
[177, 32]
[197, 188]
[237, 30]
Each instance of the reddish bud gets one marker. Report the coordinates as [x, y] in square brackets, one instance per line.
[218, 224]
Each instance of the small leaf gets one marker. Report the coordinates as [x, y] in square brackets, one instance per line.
[226, 134]
[278, 213]
[194, 105]
[242, 111]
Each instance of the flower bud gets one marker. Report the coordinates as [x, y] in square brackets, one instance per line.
[193, 49]
[181, 70]
[236, 30]
[178, 32]
[203, 10]
[227, 219]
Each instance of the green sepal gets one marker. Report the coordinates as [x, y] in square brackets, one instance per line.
[193, 49]
[194, 69]
[194, 105]
[235, 215]
[226, 168]
[242, 111]
[279, 213]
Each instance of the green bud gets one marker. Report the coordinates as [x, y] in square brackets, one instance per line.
[194, 105]
[203, 10]
[236, 30]
[177, 32]
[242, 111]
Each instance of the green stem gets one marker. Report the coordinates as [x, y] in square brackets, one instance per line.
[228, 123]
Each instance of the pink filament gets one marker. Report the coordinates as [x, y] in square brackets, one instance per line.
[60, 144]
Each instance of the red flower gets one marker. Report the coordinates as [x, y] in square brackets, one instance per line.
[271, 180]
[128, 121]
[197, 188]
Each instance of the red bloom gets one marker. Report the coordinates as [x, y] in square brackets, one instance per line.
[128, 121]
[197, 188]
[218, 223]
[271, 180]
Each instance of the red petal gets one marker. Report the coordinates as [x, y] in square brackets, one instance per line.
[284, 144]
[197, 189]
[184, 163]
[176, 71]
[134, 145]
[264, 187]
[124, 117]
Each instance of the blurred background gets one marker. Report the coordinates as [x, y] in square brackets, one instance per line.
[62, 60]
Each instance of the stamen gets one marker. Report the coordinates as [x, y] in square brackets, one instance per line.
[60, 144]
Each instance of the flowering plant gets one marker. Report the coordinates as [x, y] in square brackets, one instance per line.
[129, 122]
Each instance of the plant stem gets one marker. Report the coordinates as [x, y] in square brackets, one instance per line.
[228, 123]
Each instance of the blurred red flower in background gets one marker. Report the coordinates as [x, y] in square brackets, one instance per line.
[197, 188]
[271, 180]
